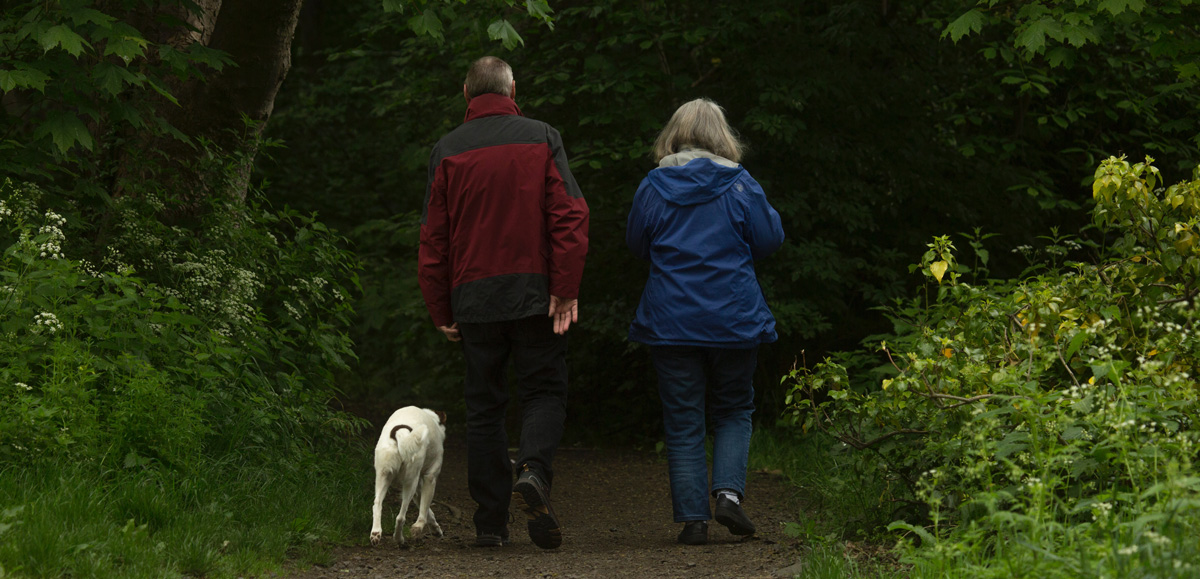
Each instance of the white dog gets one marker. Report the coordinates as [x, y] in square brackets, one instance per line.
[409, 452]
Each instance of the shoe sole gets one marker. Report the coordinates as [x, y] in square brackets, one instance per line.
[734, 525]
[543, 525]
[491, 541]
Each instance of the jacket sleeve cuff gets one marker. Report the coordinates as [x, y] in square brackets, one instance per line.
[564, 290]
[442, 318]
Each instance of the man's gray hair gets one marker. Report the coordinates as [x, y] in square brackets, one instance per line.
[699, 124]
[489, 75]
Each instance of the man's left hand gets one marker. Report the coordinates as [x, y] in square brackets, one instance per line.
[451, 332]
[565, 312]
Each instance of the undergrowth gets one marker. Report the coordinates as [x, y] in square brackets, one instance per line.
[164, 390]
[836, 522]
[225, 518]
[1044, 426]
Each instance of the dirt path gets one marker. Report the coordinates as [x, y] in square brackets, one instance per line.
[615, 510]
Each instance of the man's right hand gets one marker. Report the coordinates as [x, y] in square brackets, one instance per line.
[451, 332]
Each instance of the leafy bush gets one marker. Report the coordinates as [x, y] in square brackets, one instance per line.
[176, 344]
[173, 384]
[1046, 425]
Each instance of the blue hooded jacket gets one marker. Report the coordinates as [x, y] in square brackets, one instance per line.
[702, 220]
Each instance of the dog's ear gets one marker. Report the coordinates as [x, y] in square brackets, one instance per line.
[441, 417]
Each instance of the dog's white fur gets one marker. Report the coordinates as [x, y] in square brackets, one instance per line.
[405, 458]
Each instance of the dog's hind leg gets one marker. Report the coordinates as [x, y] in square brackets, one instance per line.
[406, 495]
[425, 514]
[382, 481]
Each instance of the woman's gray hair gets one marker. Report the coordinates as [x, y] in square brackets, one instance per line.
[489, 75]
[699, 124]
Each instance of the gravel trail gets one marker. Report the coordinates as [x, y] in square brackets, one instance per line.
[615, 510]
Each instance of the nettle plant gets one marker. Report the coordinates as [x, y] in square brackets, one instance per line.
[1046, 425]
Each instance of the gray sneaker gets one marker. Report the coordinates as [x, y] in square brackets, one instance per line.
[531, 495]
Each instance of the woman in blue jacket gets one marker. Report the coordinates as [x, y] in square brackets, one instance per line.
[701, 221]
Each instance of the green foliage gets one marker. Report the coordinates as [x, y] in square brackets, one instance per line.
[839, 562]
[1073, 82]
[232, 347]
[1044, 424]
[1162, 29]
[504, 32]
[839, 498]
[970, 21]
[226, 519]
[429, 23]
[171, 392]
[939, 259]
[1155, 225]
[169, 353]
[833, 505]
[70, 73]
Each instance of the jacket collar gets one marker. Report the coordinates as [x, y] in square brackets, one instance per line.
[490, 105]
[689, 154]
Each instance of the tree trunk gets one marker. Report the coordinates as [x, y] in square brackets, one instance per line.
[233, 106]
[229, 107]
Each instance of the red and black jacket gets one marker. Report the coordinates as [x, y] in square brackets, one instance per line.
[504, 225]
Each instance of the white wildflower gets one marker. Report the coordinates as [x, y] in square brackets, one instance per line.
[1158, 539]
[47, 322]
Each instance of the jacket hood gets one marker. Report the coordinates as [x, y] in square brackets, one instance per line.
[490, 105]
[691, 177]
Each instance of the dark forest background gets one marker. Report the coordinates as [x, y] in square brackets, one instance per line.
[870, 129]
[209, 221]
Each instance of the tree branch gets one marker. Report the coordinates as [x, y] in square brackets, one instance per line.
[963, 400]
[1067, 366]
[864, 445]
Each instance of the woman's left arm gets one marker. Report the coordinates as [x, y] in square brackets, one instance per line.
[764, 228]
[636, 235]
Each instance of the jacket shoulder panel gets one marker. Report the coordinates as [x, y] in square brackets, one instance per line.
[490, 132]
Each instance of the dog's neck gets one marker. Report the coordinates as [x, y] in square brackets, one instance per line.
[398, 427]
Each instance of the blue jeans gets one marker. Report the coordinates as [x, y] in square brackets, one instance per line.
[685, 375]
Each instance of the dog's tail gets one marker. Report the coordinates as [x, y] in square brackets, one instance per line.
[408, 439]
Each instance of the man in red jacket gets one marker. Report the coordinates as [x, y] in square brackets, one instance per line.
[503, 242]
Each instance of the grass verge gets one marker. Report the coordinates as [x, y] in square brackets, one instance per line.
[839, 524]
[223, 518]
[847, 502]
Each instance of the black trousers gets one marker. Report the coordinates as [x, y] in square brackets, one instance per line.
[539, 360]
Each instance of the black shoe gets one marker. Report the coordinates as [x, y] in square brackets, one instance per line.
[730, 514]
[694, 533]
[491, 540]
[532, 496]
